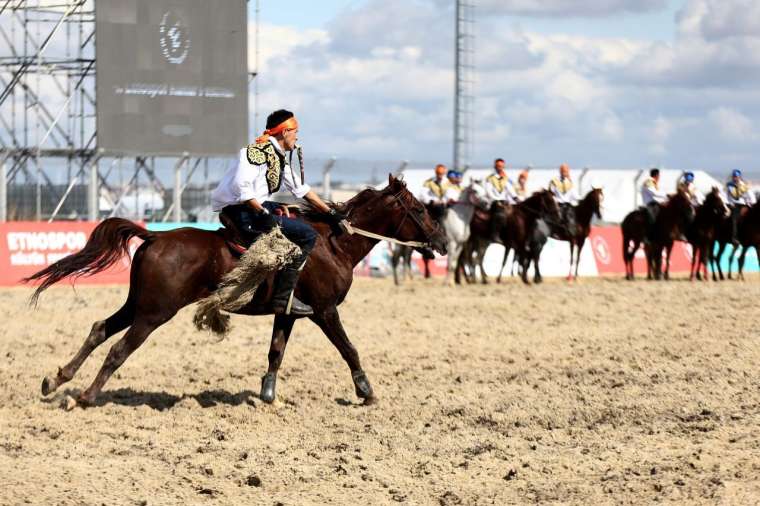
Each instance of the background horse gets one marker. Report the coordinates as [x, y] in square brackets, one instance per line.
[173, 269]
[634, 229]
[520, 229]
[456, 225]
[749, 235]
[724, 237]
[703, 231]
[672, 223]
[585, 210]
[402, 254]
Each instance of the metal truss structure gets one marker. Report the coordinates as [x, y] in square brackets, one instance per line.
[464, 83]
[50, 164]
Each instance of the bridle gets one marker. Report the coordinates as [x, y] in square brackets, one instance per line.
[351, 230]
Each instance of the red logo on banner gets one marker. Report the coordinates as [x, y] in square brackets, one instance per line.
[27, 247]
[608, 251]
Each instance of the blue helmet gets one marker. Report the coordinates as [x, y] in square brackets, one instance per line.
[736, 173]
[451, 173]
[688, 177]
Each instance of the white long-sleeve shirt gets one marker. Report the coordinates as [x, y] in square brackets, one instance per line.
[650, 192]
[500, 188]
[695, 196]
[433, 191]
[563, 190]
[739, 194]
[244, 181]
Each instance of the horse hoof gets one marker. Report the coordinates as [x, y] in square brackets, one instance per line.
[82, 401]
[49, 385]
[370, 401]
[268, 382]
[361, 385]
[68, 403]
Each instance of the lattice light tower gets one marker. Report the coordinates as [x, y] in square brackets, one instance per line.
[47, 96]
[464, 83]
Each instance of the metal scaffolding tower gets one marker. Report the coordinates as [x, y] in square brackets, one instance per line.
[464, 83]
[51, 166]
[47, 98]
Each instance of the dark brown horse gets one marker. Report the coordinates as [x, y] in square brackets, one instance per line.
[702, 233]
[585, 210]
[745, 232]
[748, 234]
[518, 225]
[672, 222]
[173, 269]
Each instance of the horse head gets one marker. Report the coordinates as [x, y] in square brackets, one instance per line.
[475, 194]
[715, 204]
[595, 198]
[408, 218]
[547, 206]
[680, 205]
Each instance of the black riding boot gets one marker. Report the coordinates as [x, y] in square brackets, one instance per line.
[283, 300]
[735, 213]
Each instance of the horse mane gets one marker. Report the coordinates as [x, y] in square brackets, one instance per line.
[311, 213]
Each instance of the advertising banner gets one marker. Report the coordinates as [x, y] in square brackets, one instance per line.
[27, 247]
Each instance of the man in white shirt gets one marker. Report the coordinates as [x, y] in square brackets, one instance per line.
[563, 189]
[738, 197]
[686, 185]
[454, 188]
[261, 170]
[652, 197]
[498, 186]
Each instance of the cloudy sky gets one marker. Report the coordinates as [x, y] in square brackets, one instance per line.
[598, 83]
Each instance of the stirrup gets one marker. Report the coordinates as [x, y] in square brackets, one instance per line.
[292, 307]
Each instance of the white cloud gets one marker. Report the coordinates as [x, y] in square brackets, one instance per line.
[378, 84]
[585, 8]
[732, 125]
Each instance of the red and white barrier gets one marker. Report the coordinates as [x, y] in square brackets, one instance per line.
[27, 247]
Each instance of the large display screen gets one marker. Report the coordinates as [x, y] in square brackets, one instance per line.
[172, 76]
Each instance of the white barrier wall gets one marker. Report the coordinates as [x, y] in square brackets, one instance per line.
[621, 187]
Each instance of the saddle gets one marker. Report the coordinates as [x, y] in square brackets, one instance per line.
[232, 236]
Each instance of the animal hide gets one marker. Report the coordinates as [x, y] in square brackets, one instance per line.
[268, 254]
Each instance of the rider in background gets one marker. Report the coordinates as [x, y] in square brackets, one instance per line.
[738, 197]
[652, 197]
[434, 191]
[499, 191]
[498, 186]
[521, 189]
[454, 187]
[686, 185]
[244, 196]
[563, 189]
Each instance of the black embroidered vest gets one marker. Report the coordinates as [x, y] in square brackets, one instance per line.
[265, 153]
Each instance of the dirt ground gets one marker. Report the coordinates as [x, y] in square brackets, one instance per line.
[597, 392]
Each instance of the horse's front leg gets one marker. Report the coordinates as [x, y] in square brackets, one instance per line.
[578, 250]
[668, 250]
[283, 326]
[572, 252]
[329, 321]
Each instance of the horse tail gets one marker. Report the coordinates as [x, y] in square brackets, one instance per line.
[107, 244]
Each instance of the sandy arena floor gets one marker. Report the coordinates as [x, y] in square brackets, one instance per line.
[594, 393]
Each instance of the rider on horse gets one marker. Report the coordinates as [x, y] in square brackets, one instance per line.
[563, 189]
[521, 189]
[738, 197]
[686, 185]
[244, 196]
[652, 197]
[434, 191]
[454, 187]
[499, 188]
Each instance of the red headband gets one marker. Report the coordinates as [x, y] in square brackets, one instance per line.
[288, 124]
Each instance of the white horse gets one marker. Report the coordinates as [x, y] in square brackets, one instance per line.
[456, 224]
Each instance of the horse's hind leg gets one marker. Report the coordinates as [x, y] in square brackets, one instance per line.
[135, 336]
[329, 322]
[101, 331]
[283, 326]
